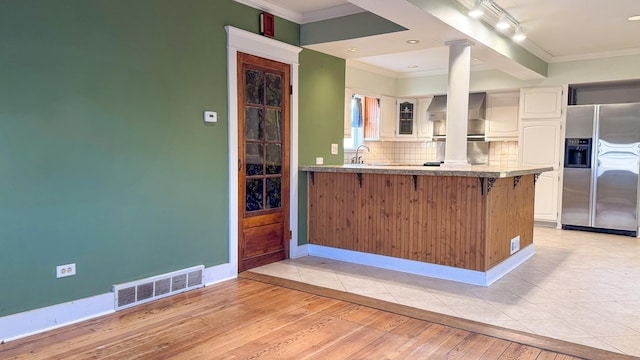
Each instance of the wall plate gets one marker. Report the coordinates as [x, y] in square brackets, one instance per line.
[210, 116]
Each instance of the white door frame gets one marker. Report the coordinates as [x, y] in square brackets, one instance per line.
[247, 42]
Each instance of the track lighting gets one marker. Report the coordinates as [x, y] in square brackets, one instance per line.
[503, 22]
[492, 13]
[519, 35]
[476, 11]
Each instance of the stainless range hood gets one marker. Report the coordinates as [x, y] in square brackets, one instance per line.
[437, 113]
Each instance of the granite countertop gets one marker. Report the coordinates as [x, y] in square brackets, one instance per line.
[484, 171]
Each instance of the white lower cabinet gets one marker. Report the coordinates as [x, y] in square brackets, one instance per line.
[540, 146]
[546, 202]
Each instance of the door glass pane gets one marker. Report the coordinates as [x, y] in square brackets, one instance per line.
[254, 194]
[274, 193]
[254, 125]
[254, 87]
[255, 159]
[406, 119]
[273, 125]
[274, 90]
[274, 159]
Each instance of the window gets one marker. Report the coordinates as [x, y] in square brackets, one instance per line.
[365, 120]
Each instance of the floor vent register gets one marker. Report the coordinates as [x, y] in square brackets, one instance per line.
[156, 287]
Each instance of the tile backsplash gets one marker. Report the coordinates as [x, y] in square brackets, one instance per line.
[418, 152]
[503, 153]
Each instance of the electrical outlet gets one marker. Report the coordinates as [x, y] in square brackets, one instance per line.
[515, 244]
[334, 149]
[210, 116]
[65, 270]
[319, 161]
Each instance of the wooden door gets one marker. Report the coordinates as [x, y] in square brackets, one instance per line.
[263, 163]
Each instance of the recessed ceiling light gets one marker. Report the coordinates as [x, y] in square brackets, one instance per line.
[412, 66]
[412, 42]
[634, 18]
[352, 49]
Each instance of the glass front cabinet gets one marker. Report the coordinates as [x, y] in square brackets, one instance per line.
[406, 116]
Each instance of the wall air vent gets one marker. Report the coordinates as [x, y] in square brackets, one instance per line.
[156, 287]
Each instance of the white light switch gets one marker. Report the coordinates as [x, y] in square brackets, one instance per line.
[210, 116]
[334, 149]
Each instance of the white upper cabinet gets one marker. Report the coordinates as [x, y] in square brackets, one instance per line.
[348, 94]
[540, 143]
[541, 103]
[425, 127]
[387, 118]
[502, 116]
[400, 119]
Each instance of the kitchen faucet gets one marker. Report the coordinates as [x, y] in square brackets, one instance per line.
[358, 159]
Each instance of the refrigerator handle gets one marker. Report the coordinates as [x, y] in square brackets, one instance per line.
[594, 164]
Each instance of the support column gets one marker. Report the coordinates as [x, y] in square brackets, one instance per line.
[458, 101]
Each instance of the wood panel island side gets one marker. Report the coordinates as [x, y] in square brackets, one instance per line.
[455, 223]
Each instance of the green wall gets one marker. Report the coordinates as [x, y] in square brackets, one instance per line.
[105, 160]
[321, 107]
[321, 117]
[352, 26]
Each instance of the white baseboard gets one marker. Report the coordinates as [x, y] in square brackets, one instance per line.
[425, 269]
[220, 273]
[299, 251]
[52, 317]
[495, 273]
[35, 321]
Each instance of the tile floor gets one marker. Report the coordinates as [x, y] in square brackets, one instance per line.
[581, 287]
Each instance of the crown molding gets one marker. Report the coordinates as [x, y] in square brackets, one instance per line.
[302, 18]
[536, 50]
[370, 68]
[406, 75]
[330, 13]
[279, 11]
[417, 74]
[594, 56]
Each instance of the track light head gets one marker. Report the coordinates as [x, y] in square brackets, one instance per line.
[503, 22]
[476, 11]
[519, 35]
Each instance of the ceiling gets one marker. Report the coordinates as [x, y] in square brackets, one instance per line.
[556, 31]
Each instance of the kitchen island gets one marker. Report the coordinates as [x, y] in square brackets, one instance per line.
[469, 223]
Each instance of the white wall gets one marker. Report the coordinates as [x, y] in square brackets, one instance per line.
[369, 82]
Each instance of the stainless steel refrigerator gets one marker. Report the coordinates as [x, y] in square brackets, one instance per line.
[602, 162]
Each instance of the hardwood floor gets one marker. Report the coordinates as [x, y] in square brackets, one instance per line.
[248, 318]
